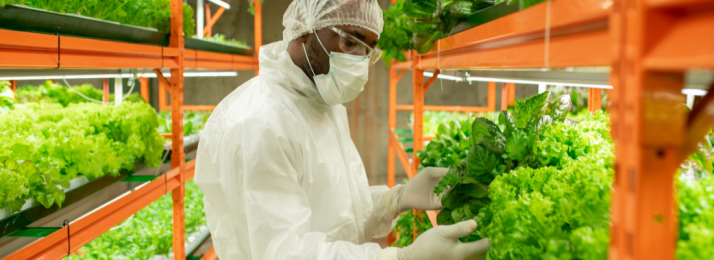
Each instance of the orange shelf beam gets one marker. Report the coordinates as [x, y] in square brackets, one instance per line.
[210, 255]
[686, 44]
[509, 42]
[34, 50]
[84, 230]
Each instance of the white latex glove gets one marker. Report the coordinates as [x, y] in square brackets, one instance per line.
[441, 242]
[418, 193]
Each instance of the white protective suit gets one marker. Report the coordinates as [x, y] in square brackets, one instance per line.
[281, 176]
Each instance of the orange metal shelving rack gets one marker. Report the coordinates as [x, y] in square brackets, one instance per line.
[33, 50]
[649, 44]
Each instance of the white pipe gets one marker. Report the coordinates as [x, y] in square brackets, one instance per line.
[200, 12]
[441, 76]
[690, 101]
[542, 88]
[118, 91]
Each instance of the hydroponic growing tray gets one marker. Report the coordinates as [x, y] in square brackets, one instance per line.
[35, 221]
[204, 45]
[23, 18]
[28, 19]
[32, 211]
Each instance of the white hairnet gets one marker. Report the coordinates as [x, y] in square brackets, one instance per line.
[303, 16]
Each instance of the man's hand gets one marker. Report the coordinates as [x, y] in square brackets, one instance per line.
[418, 193]
[441, 242]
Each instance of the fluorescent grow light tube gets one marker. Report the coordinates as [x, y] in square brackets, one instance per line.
[440, 76]
[126, 75]
[535, 82]
[538, 82]
[542, 84]
[221, 3]
[694, 92]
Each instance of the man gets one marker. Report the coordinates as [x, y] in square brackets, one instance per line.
[281, 176]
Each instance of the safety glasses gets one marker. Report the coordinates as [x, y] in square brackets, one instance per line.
[351, 45]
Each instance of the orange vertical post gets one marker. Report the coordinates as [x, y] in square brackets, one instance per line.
[13, 87]
[144, 90]
[258, 30]
[207, 28]
[504, 96]
[162, 96]
[594, 99]
[418, 81]
[392, 124]
[511, 93]
[648, 125]
[177, 153]
[492, 96]
[105, 91]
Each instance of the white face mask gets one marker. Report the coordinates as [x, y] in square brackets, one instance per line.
[346, 79]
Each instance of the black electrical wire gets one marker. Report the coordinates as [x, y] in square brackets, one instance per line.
[57, 32]
[69, 248]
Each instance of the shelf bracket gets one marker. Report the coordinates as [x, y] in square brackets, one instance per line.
[399, 76]
[401, 153]
[163, 79]
[700, 121]
[431, 80]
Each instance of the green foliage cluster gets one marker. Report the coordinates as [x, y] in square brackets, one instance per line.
[407, 223]
[417, 24]
[496, 149]
[695, 198]
[43, 146]
[220, 38]
[559, 210]
[450, 145]
[432, 120]
[193, 121]
[556, 206]
[7, 97]
[579, 97]
[51, 92]
[251, 6]
[149, 232]
[147, 13]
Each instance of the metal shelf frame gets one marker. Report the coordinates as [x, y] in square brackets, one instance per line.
[34, 50]
[649, 45]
